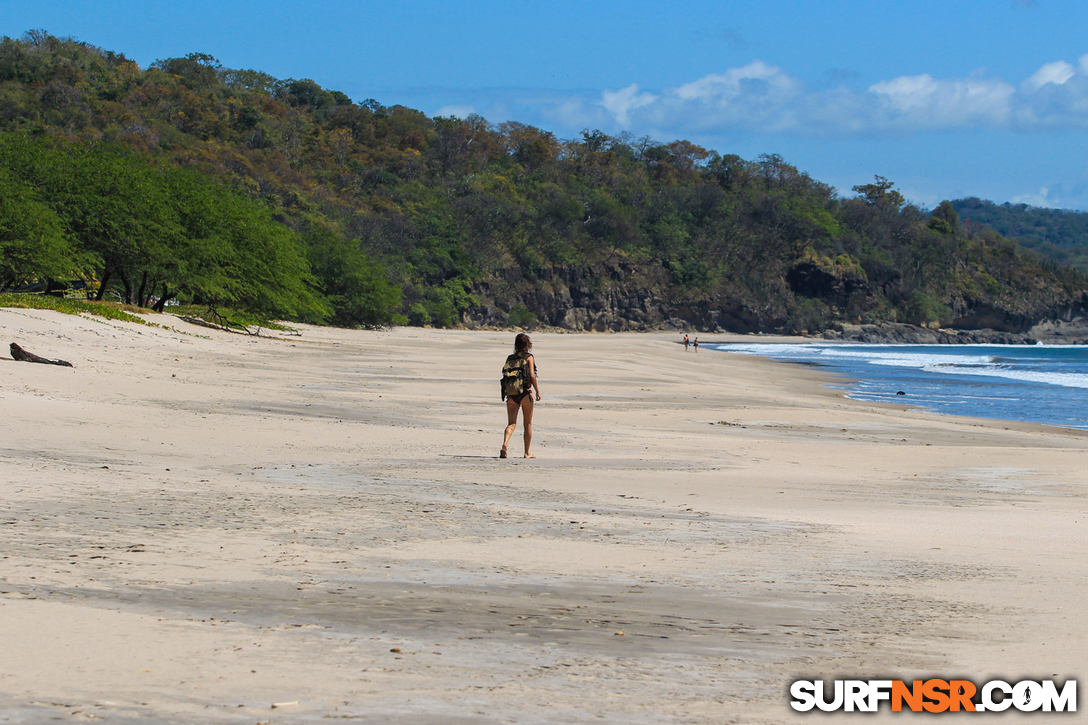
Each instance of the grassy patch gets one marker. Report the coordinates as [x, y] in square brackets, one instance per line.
[109, 310]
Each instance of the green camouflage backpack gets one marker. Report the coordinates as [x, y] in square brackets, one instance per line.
[515, 376]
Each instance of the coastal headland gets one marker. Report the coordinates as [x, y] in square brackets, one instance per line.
[205, 527]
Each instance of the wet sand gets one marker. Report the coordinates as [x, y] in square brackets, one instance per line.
[198, 526]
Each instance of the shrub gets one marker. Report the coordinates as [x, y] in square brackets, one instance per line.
[924, 309]
[109, 310]
[520, 316]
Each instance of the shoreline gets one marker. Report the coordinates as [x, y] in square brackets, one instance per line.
[947, 382]
[201, 525]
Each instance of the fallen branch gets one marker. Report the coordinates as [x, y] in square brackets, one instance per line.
[198, 321]
[222, 328]
[23, 356]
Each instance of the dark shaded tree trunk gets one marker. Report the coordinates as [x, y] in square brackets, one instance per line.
[53, 287]
[141, 300]
[102, 285]
[128, 287]
[166, 297]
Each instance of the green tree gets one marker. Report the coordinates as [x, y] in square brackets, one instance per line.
[944, 219]
[356, 288]
[33, 244]
[882, 195]
[108, 199]
[196, 70]
[249, 260]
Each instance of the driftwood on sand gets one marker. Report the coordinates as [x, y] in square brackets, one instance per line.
[20, 354]
[222, 328]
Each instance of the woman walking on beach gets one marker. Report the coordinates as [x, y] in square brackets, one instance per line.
[518, 386]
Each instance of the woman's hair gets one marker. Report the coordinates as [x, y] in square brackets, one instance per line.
[522, 343]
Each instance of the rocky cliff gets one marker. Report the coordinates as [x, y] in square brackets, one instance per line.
[622, 296]
[615, 297]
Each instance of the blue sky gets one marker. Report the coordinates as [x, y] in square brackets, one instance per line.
[947, 99]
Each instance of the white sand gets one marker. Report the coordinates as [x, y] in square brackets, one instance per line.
[197, 525]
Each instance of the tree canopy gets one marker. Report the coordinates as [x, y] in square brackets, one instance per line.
[1056, 234]
[229, 186]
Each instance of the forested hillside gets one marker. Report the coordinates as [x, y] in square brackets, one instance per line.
[191, 181]
[1056, 234]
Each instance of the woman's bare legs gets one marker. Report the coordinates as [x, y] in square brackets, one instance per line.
[512, 409]
[527, 422]
[512, 421]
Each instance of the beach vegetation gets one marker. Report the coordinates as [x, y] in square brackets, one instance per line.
[33, 244]
[108, 310]
[810, 315]
[520, 316]
[925, 309]
[189, 182]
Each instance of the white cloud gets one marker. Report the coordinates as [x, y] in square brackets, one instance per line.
[1068, 194]
[619, 103]
[913, 101]
[457, 110]
[1039, 198]
[762, 98]
[723, 87]
[1057, 73]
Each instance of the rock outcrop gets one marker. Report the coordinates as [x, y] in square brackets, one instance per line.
[891, 332]
[619, 297]
[622, 296]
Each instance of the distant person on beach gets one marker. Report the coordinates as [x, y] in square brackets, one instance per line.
[519, 383]
[696, 344]
[686, 343]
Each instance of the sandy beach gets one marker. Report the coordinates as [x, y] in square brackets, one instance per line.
[204, 527]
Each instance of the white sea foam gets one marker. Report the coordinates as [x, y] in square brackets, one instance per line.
[1042, 383]
[1065, 380]
[961, 362]
[875, 354]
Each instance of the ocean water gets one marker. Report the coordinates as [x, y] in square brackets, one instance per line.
[1037, 383]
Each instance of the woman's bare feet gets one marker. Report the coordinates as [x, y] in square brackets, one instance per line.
[529, 455]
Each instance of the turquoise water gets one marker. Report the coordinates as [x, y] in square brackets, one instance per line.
[1038, 383]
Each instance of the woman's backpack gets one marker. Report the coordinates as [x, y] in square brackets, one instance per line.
[515, 376]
